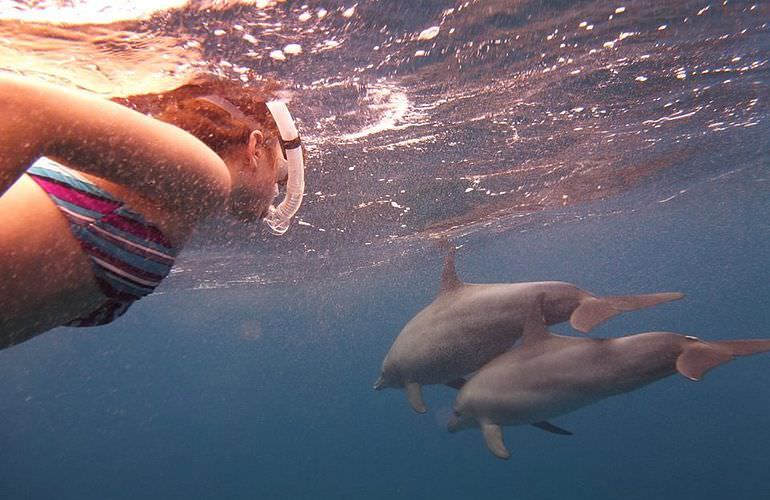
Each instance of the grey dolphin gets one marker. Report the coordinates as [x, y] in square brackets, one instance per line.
[549, 375]
[468, 325]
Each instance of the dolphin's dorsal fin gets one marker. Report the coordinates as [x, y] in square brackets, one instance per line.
[449, 279]
[534, 325]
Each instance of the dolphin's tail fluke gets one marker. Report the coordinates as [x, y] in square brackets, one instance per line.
[699, 357]
[594, 310]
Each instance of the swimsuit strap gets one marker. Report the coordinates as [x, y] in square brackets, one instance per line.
[47, 168]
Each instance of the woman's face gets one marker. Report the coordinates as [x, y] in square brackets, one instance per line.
[255, 169]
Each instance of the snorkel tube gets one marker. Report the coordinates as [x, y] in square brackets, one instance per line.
[278, 218]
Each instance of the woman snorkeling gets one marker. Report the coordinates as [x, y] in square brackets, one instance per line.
[98, 197]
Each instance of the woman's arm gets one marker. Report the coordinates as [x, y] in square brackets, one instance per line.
[157, 160]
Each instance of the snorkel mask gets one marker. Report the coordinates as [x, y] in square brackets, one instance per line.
[278, 218]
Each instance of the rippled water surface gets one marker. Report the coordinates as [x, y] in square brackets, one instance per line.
[623, 146]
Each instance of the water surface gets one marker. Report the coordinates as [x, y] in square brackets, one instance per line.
[620, 146]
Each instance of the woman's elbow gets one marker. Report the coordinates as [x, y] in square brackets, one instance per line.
[202, 178]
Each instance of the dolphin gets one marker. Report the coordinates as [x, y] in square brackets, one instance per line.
[468, 325]
[547, 375]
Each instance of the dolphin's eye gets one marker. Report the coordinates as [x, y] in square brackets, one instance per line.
[455, 413]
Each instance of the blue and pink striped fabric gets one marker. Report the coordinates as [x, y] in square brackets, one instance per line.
[130, 256]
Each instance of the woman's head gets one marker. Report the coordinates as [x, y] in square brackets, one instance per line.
[234, 122]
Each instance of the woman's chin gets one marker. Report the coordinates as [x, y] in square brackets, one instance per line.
[248, 214]
[246, 217]
[246, 208]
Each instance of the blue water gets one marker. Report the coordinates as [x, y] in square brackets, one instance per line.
[176, 402]
[249, 374]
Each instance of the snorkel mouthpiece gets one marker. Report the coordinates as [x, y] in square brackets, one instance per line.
[278, 218]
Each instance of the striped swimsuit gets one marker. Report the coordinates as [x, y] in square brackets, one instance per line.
[129, 256]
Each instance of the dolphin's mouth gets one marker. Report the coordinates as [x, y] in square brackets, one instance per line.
[379, 384]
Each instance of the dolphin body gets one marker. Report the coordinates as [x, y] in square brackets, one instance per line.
[468, 325]
[549, 375]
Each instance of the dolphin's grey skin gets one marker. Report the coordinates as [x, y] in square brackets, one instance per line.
[468, 325]
[549, 375]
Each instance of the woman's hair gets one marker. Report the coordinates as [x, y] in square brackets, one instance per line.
[216, 127]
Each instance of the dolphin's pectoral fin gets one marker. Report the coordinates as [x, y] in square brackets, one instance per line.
[379, 384]
[700, 357]
[493, 437]
[549, 427]
[594, 310]
[414, 395]
[457, 383]
[449, 279]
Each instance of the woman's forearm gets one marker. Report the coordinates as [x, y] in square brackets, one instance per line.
[102, 138]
